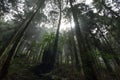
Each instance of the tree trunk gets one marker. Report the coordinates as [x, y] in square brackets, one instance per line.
[88, 71]
[55, 44]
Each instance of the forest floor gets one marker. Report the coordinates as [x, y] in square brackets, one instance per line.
[63, 72]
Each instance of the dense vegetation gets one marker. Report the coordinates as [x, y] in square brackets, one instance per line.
[59, 40]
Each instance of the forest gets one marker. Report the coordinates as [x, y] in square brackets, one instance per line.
[59, 39]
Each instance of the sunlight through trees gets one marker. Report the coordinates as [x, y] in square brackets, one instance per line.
[59, 40]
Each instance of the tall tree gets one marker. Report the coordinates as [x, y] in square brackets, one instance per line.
[17, 38]
[89, 73]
